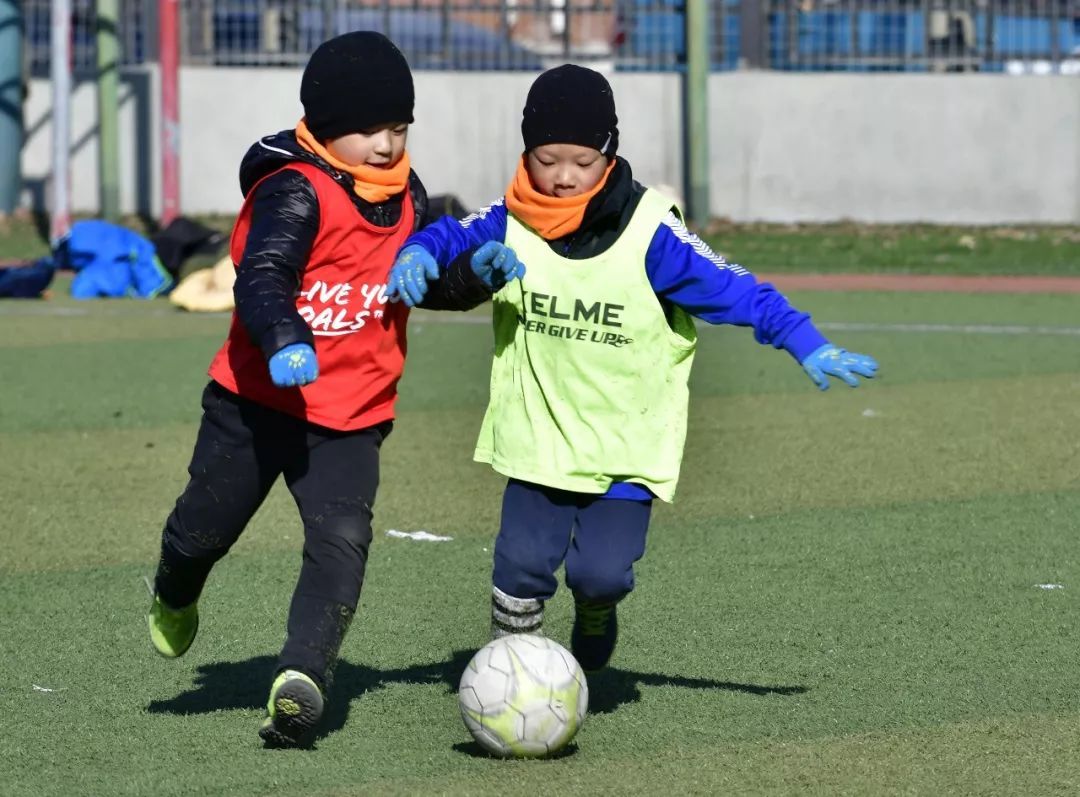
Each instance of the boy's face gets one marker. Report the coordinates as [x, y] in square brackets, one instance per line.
[565, 170]
[380, 146]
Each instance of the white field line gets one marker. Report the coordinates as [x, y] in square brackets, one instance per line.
[28, 308]
[836, 326]
[956, 329]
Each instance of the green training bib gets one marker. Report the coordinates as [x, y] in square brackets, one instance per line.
[589, 378]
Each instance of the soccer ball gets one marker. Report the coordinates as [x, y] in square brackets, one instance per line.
[523, 696]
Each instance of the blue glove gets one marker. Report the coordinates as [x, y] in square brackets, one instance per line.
[294, 365]
[829, 360]
[496, 264]
[410, 274]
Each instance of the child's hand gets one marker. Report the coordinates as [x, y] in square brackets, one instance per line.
[410, 274]
[834, 361]
[496, 264]
[294, 365]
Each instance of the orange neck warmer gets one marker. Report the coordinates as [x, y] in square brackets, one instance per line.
[550, 217]
[371, 183]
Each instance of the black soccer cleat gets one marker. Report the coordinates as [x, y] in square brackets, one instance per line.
[293, 710]
[596, 628]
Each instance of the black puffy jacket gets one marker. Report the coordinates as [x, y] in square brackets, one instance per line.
[284, 223]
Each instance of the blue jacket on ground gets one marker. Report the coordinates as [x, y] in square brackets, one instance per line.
[111, 261]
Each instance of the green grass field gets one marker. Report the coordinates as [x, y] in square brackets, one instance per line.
[843, 600]
[822, 248]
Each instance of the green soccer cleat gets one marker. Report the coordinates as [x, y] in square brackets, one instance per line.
[172, 630]
[293, 710]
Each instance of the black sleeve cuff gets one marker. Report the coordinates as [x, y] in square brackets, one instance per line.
[284, 333]
[458, 288]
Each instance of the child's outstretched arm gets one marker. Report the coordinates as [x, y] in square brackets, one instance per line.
[284, 222]
[455, 264]
[685, 271]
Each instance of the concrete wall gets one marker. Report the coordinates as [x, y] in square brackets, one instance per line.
[140, 166]
[940, 148]
[466, 139]
[885, 148]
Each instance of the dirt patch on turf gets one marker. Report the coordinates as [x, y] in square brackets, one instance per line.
[922, 283]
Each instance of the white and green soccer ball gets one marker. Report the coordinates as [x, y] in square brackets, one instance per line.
[523, 696]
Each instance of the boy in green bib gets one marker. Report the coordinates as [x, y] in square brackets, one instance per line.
[593, 349]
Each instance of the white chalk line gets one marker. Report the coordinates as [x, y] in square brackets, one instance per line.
[16, 308]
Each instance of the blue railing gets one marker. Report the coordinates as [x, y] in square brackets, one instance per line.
[793, 35]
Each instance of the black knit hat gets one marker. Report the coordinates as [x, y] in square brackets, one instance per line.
[571, 105]
[354, 82]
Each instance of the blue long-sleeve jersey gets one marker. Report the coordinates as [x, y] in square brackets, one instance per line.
[682, 270]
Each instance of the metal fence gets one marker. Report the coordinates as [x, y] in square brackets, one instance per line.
[133, 31]
[913, 35]
[1014, 36]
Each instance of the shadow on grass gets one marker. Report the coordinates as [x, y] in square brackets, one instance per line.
[221, 686]
[476, 751]
[612, 687]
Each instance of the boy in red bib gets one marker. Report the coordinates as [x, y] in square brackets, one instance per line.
[305, 385]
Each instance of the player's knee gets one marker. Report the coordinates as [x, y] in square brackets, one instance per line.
[207, 539]
[521, 578]
[599, 582]
[345, 539]
[335, 559]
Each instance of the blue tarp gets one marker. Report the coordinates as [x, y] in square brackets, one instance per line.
[111, 261]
